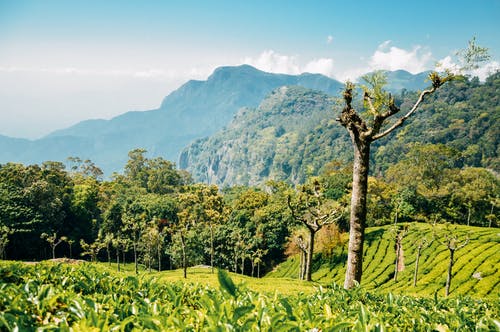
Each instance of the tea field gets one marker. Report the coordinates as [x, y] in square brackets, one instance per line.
[49, 296]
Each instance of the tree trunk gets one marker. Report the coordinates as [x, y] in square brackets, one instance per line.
[450, 267]
[397, 262]
[136, 267]
[53, 252]
[117, 259]
[416, 266]
[236, 263]
[211, 248]
[310, 253]
[301, 265]
[108, 251]
[399, 244]
[469, 208]
[158, 249]
[184, 262]
[358, 212]
[70, 252]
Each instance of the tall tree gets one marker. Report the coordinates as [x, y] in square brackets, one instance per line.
[369, 126]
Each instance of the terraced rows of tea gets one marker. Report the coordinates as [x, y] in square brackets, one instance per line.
[476, 271]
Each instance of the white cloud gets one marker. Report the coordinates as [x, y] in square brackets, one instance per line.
[482, 72]
[329, 39]
[273, 62]
[389, 57]
[320, 66]
[447, 63]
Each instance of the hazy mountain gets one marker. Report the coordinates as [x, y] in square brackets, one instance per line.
[197, 109]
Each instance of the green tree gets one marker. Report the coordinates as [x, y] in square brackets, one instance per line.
[310, 209]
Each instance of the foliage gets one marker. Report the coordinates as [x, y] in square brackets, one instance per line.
[82, 298]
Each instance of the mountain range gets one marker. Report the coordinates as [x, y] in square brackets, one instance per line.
[196, 110]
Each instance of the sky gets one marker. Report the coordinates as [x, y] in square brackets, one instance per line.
[62, 62]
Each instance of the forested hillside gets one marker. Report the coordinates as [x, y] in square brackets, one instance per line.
[293, 133]
[289, 136]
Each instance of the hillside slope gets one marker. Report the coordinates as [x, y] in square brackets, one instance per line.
[293, 133]
[476, 271]
[277, 140]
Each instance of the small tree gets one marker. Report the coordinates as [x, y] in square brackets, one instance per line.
[70, 245]
[314, 213]
[91, 249]
[421, 243]
[4, 239]
[53, 241]
[450, 239]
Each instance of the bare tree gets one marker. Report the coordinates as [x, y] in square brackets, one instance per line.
[451, 241]
[380, 108]
[422, 243]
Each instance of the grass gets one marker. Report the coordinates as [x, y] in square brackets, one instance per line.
[204, 276]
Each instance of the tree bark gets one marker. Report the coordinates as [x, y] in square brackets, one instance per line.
[159, 256]
[450, 268]
[184, 262]
[117, 259]
[211, 248]
[416, 266]
[357, 222]
[136, 267]
[310, 253]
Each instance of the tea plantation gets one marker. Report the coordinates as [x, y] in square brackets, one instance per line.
[94, 297]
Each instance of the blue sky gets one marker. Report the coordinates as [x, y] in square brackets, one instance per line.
[65, 61]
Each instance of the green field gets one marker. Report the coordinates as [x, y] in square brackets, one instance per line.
[95, 297]
[476, 271]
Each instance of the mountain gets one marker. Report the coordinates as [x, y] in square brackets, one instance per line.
[197, 109]
[401, 79]
[293, 133]
[278, 140]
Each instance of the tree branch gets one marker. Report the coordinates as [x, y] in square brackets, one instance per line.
[401, 120]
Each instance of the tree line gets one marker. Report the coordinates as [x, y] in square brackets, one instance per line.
[153, 214]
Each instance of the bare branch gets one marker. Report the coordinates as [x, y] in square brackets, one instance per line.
[401, 120]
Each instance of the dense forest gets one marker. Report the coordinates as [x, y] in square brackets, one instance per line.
[155, 215]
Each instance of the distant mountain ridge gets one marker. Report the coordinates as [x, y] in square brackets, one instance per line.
[197, 109]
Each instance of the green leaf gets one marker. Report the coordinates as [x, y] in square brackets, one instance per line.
[226, 283]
